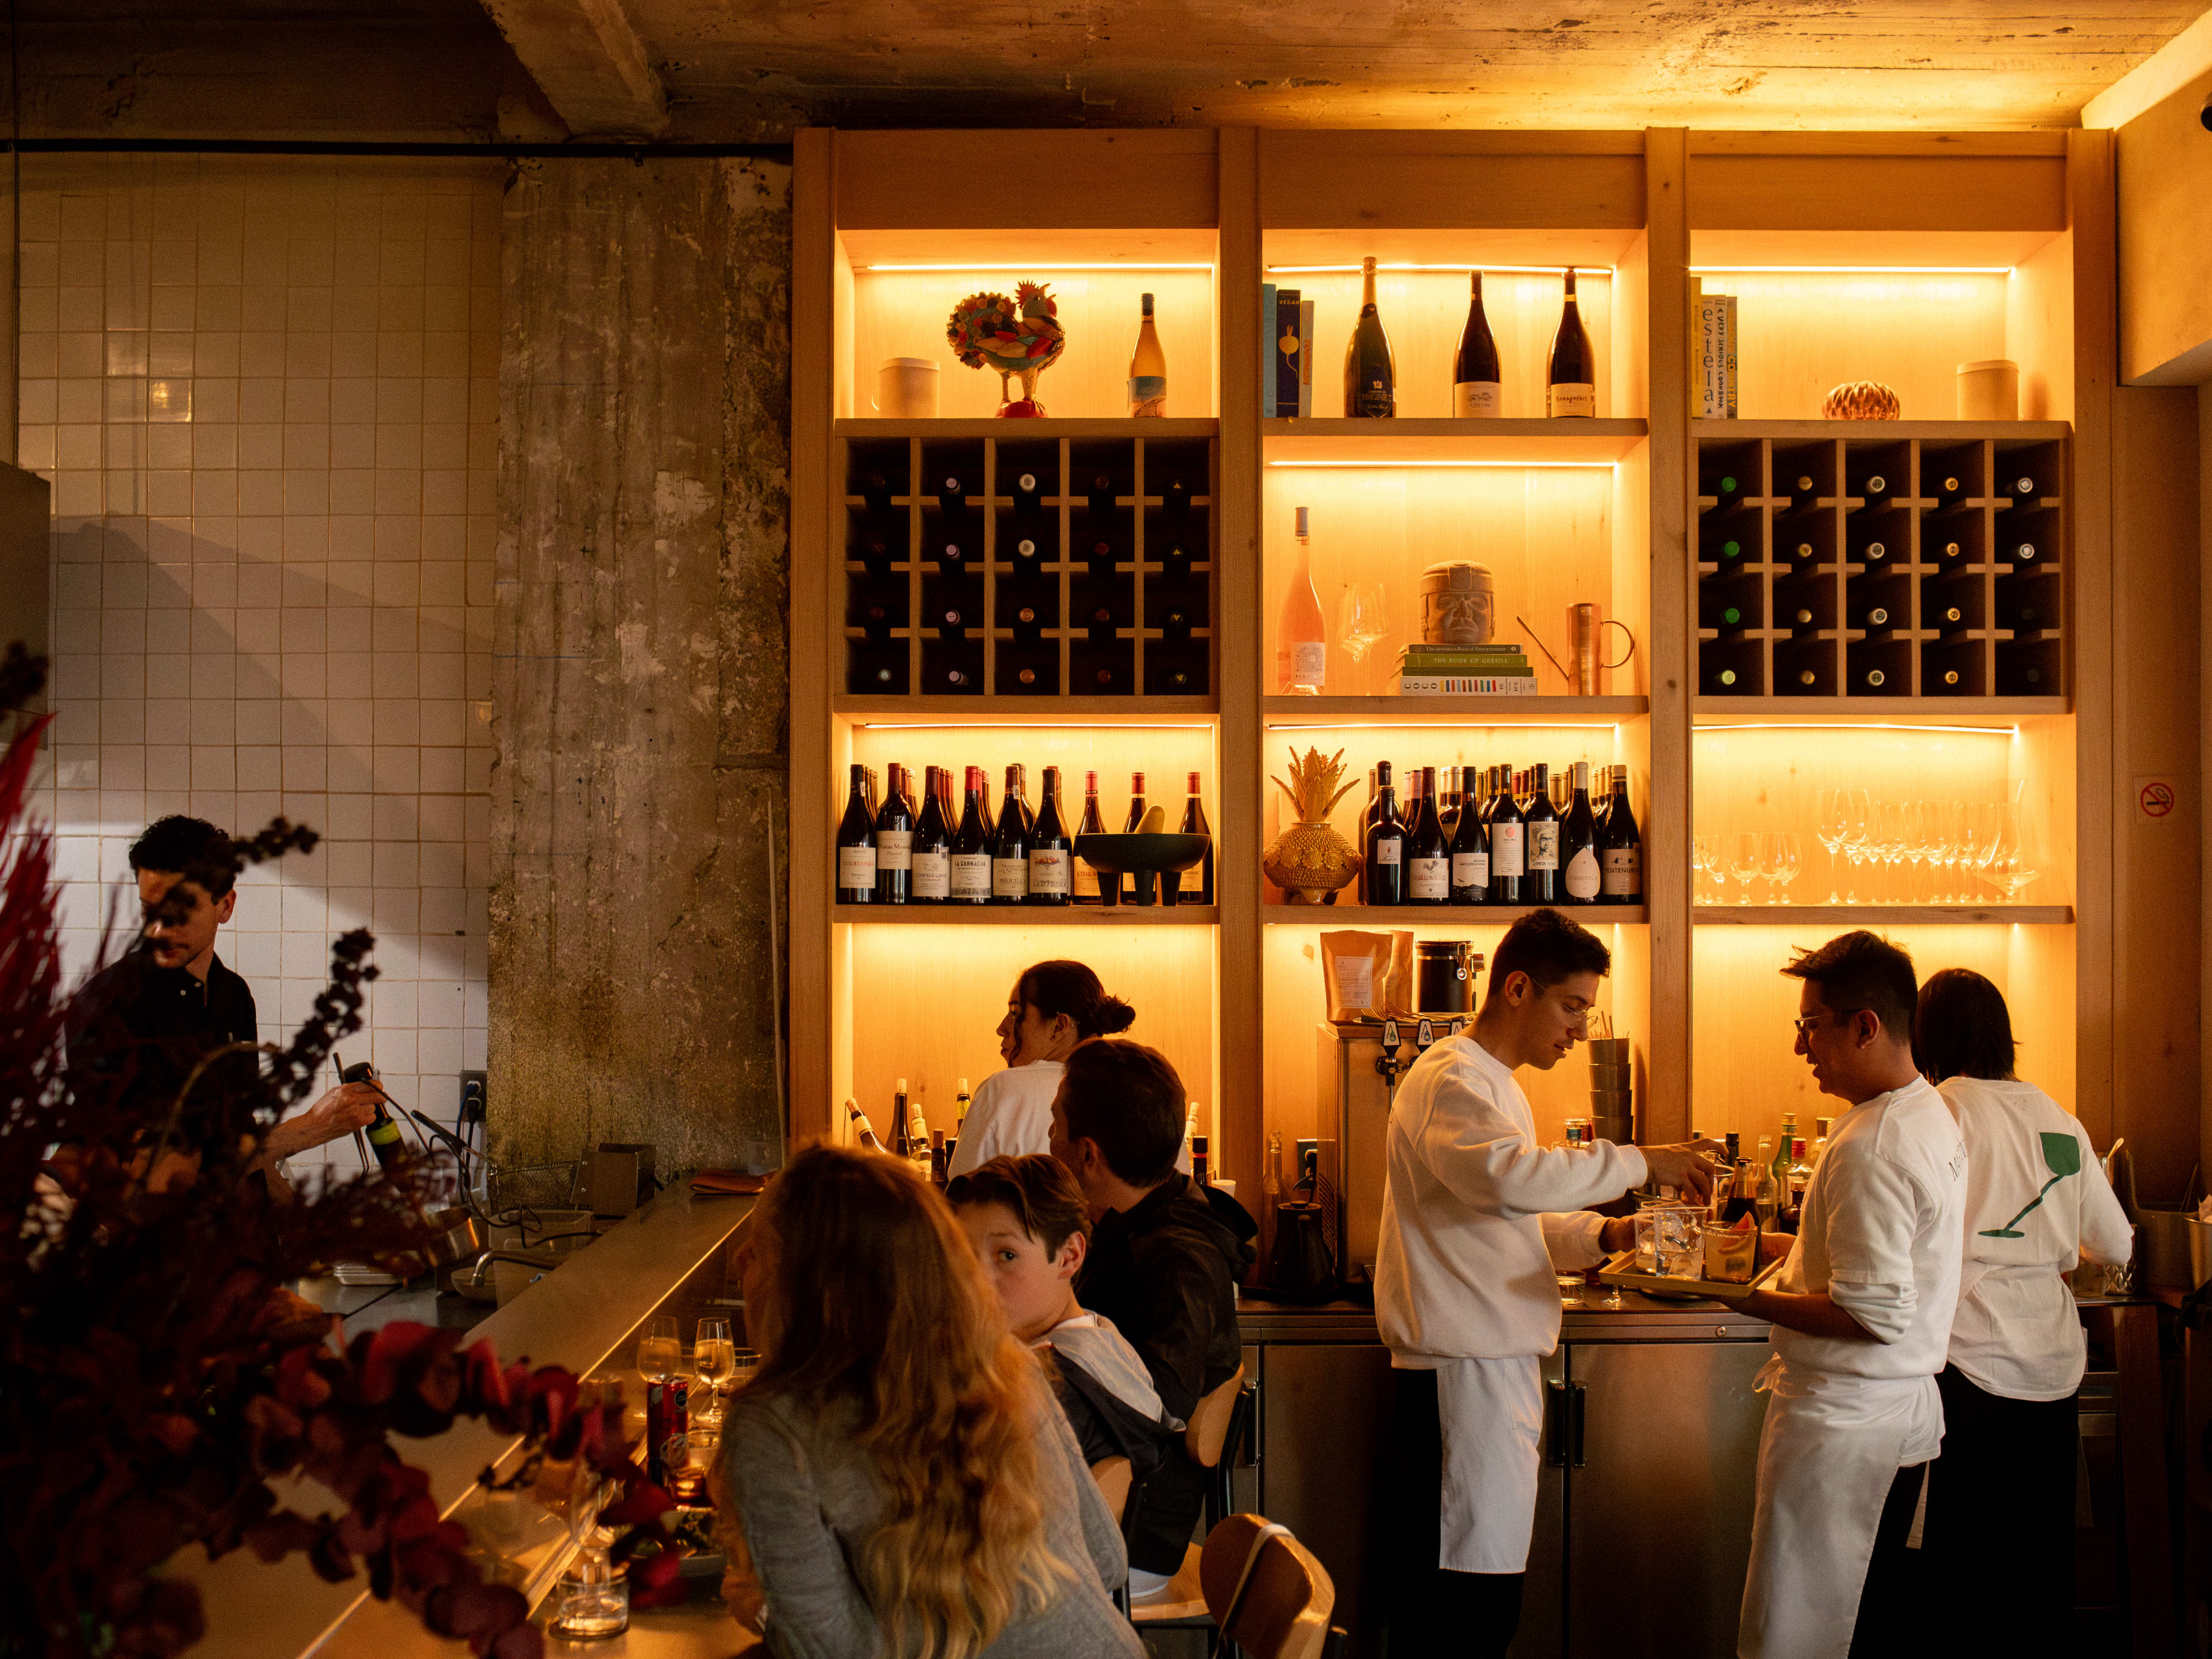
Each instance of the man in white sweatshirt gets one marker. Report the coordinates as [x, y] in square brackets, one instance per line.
[1863, 1312]
[1476, 1213]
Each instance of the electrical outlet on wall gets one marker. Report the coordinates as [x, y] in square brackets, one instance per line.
[472, 1098]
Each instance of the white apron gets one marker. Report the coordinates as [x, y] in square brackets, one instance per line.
[1492, 1413]
[1828, 1454]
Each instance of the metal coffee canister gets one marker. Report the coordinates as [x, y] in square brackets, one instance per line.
[1443, 977]
[1459, 605]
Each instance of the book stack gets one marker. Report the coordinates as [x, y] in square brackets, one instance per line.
[1497, 670]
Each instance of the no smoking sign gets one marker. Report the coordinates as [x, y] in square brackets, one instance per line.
[2155, 797]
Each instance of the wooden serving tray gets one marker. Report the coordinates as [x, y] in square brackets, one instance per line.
[1621, 1269]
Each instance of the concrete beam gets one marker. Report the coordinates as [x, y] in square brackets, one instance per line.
[589, 61]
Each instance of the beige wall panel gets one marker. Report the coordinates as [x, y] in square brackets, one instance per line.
[1404, 178]
[2165, 165]
[1878, 192]
[1105, 179]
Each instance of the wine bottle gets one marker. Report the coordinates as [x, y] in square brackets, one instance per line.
[1724, 682]
[1029, 496]
[1470, 849]
[1581, 867]
[1508, 847]
[1051, 878]
[2022, 553]
[1620, 849]
[1874, 618]
[1301, 642]
[1010, 849]
[856, 844]
[1386, 842]
[1725, 611]
[863, 1131]
[1571, 376]
[1130, 826]
[952, 556]
[895, 843]
[951, 494]
[1448, 804]
[1476, 390]
[1948, 488]
[1872, 551]
[1873, 679]
[902, 1123]
[1949, 621]
[1868, 481]
[1148, 369]
[1428, 854]
[2017, 484]
[1543, 821]
[1370, 373]
[1083, 879]
[1100, 499]
[970, 874]
[932, 880]
[1194, 824]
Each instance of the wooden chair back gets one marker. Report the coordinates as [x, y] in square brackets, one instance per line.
[1113, 1475]
[1208, 1428]
[1265, 1590]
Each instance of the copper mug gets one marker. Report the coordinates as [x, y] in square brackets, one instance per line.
[1586, 667]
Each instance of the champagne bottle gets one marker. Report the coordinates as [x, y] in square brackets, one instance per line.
[970, 874]
[1051, 880]
[1621, 848]
[1543, 821]
[1370, 373]
[1084, 881]
[1580, 868]
[1470, 849]
[1428, 854]
[895, 843]
[1386, 844]
[1301, 643]
[1508, 848]
[863, 1131]
[1148, 369]
[1570, 378]
[1010, 852]
[1194, 824]
[1476, 390]
[931, 881]
[856, 844]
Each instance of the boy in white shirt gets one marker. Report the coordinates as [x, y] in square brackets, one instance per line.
[1863, 1304]
[1476, 1216]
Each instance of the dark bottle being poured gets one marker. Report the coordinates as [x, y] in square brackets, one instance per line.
[1370, 373]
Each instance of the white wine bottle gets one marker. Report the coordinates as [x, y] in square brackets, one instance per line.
[1476, 390]
[1148, 369]
[1301, 643]
[1571, 380]
[1370, 373]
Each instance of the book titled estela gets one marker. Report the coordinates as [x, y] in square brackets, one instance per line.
[1715, 341]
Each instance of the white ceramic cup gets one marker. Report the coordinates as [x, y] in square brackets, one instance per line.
[1988, 391]
[906, 389]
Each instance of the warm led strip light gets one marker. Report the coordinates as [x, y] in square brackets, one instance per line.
[983, 721]
[1057, 265]
[1456, 271]
[1438, 718]
[1489, 466]
[1853, 270]
[1858, 725]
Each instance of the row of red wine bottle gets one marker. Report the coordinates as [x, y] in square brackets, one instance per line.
[1370, 369]
[1499, 837]
[891, 851]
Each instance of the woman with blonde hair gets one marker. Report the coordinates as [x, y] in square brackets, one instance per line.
[904, 1483]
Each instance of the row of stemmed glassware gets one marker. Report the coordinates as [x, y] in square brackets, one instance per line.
[1924, 852]
[1773, 856]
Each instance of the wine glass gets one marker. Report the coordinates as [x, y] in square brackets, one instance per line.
[594, 1601]
[715, 1363]
[1705, 861]
[660, 1351]
[1780, 863]
[1858, 830]
[1362, 618]
[2010, 866]
[1913, 823]
[1835, 830]
[1743, 862]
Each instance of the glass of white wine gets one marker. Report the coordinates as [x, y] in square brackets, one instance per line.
[715, 1363]
[660, 1351]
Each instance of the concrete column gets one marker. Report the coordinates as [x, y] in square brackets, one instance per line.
[639, 682]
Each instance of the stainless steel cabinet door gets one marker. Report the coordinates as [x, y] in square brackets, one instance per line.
[1542, 1634]
[1659, 1502]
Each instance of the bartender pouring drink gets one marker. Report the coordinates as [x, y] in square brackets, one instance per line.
[1476, 1217]
[1863, 1304]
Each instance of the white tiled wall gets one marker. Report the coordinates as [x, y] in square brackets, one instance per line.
[264, 391]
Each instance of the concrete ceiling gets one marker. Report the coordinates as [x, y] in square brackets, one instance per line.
[726, 70]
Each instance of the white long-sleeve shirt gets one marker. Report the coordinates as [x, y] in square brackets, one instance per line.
[1880, 1235]
[1475, 1213]
[2017, 1333]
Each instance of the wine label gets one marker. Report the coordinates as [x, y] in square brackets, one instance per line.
[856, 867]
[1389, 851]
[1428, 878]
[1475, 398]
[1543, 846]
[1508, 849]
[1572, 398]
[1581, 874]
[1148, 394]
[971, 875]
[1051, 870]
[1010, 878]
[1085, 881]
[932, 875]
[1308, 663]
[1470, 870]
[1624, 871]
[894, 849]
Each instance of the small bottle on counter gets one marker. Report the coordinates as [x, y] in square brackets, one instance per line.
[1201, 1171]
[941, 1158]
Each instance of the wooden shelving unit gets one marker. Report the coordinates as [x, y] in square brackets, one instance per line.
[1024, 915]
[1607, 510]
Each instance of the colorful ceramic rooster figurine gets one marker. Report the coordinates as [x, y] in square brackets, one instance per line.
[1021, 337]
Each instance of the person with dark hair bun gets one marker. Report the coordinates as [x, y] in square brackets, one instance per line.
[1053, 1007]
[2001, 1498]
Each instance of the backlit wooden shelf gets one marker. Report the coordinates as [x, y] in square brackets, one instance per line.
[1494, 442]
[1027, 915]
[1919, 711]
[1082, 429]
[1709, 431]
[1877, 915]
[1024, 711]
[1440, 916]
[1446, 710]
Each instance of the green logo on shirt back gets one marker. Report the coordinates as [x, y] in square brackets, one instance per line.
[2062, 1156]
